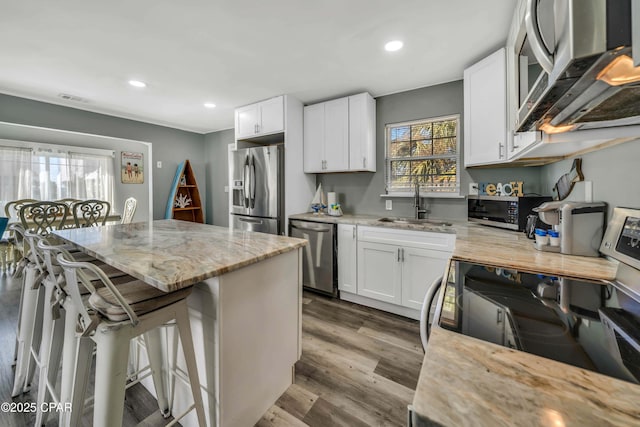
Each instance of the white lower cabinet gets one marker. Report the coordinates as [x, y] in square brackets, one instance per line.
[347, 258]
[379, 272]
[395, 267]
[420, 267]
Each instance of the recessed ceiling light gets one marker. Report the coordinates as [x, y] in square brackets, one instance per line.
[209, 105]
[394, 45]
[137, 83]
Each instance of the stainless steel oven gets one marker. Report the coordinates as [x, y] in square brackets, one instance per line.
[591, 324]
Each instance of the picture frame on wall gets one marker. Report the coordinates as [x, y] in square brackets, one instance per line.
[132, 168]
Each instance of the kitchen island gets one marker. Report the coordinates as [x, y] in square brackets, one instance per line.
[245, 307]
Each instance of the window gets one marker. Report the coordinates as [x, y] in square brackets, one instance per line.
[425, 152]
[47, 172]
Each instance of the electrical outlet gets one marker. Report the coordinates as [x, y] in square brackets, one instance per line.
[388, 205]
[159, 164]
[226, 188]
[473, 188]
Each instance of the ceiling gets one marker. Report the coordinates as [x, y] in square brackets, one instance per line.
[235, 52]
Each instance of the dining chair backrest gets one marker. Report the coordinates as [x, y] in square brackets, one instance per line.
[43, 217]
[129, 209]
[12, 208]
[89, 213]
[69, 202]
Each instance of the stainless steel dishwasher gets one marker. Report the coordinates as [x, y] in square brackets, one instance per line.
[319, 259]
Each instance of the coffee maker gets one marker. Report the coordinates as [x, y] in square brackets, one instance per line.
[580, 226]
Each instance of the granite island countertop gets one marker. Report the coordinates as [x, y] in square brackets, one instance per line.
[492, 246]
[171, 254]
[468, 382]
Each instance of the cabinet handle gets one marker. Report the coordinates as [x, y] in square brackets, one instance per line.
[398, 254]
[499, 316]
[500, 145]
[354, 233]
[402, 254]
[364, 162]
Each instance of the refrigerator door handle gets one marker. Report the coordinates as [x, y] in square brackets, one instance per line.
[250, 220]
[253, 182]
[245, 183]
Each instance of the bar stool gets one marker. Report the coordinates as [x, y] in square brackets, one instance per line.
[112, 316]
[39, 218]
[47, 354]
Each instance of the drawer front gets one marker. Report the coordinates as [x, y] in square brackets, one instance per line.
[407, 238]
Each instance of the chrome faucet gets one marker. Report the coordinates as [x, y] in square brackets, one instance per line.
[416, 202]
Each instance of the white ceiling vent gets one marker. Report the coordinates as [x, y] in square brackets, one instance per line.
[73, 98]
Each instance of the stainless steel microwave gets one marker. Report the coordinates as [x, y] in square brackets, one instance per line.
[575, 65]
[508, 212]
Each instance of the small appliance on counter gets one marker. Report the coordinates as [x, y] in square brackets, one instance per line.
[508, 212]
[334, 208]
[577, 227]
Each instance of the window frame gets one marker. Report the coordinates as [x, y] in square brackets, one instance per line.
[457, 193]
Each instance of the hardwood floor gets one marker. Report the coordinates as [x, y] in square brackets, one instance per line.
[359, 367]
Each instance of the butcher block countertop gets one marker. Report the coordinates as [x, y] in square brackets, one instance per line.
[468, 382]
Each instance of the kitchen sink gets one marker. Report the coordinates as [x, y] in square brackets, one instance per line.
[398, 220]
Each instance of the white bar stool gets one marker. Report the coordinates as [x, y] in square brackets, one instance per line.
[114, 316]
[47, 358]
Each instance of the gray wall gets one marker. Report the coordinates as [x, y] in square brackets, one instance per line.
[360, 192]
[217, 176]
[171, 146]
[612, 170]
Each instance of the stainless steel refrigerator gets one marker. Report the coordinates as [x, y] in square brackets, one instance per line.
[257, 202]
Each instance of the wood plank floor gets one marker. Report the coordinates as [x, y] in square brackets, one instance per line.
[359, 367]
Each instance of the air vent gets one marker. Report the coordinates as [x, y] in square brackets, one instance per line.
[73, 98]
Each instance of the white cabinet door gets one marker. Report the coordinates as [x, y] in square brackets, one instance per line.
[483, 319]
[271, 115]
[420, 267]
[362, 133]
[313, 138]
[347, 254]
[247, 121]
[379, 273]
[485, 126]
[336, 135]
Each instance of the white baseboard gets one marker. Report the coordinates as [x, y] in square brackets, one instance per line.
[381, 305]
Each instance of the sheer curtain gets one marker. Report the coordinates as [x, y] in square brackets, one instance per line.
[44, 173]
[15, 174]
[92, 176]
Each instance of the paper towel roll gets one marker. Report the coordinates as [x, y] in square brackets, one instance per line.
[331, 199]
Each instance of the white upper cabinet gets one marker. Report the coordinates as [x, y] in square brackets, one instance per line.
[339, 135]
[336, 135]
[485, 128]
[314, 138]
[362, 133]
[262, 118]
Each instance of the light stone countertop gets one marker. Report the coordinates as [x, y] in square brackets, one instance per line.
[171, 254]
[493, 246]
[468, 382]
